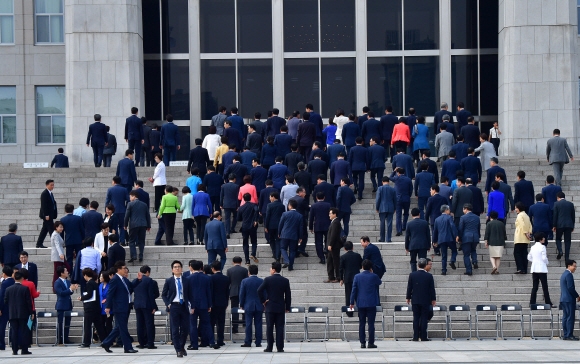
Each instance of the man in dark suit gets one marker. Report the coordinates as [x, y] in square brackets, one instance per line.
[563, 224]
[169, 140]
[254, 139]
[339, 170]
[421, 294]
[444, 235]
[492, 172]
[238, 169]
[471, 167]
[364, 117]
[251, 304]
[404, 190]
[276, 297]
[350, 265]
[146, 291]
[215, 240]
[388, 122]
[316, 167]
[97, 138]
[461, 196]
[539, 214]
[316, 119]
[386, 202]
[236, 274]
[334, 150]
[17, 299]
[450, 167]
[524, 191]
[198, 158]
[118, 196]
[259, 175]
[468, 235]
[433, 209]
[63, 290]
[213, 182]
[372, 253]
[326, 188]
[273, 124]
[334, 243]
[365, 292]
[126, 170]
[344, 200]
[460, 148]
[29, 266]
[426, 158]
[134, 133]
[306, 179]
[292, 159]
[476, 197]
[237, 122]
[220, 299]
[74, 232]
[462, 115]
[116, 252]
[60, 160]
[200, 303]
[283, 141]
[470, 132]
[10, 247]
[7, 281]
[289, 228]
[234, 136]
[376, 162]
[110, 149]
[350, 131]
[142, 194]
[137, 221]
[175, 293]
[146, 156]
[119, 301]
[306, 136]
[371, 128]
[417, 238]
[47, 214]
[550, 192]
[439, 116]
[229, 203]
[568, 299]
[277, 173]
[404, 161]
[507, 192]
[358, 159]
[423, 182]
[272, 215]
[318, 224]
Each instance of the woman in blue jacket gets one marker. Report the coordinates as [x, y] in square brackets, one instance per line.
[420, 133]
[201, 209]
[269, 152]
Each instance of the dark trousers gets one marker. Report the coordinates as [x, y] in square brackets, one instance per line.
[568, 317]
[247, 235]
[377, 176]
[230, 220]
[3, 324]
[235, 302]
[521, 257]
[61, 318]
[443, 248]
[255, 318]
[47, 228]
[288, 248]
[389, 150]
[98, 155]
[215, 202]
[159, 192]
[136, 146]
[107, 158]
[20, 334]
[122, 232]
[168, 154]
[90, 319]
[137, 239]
[146, 156]
[469, 255]
[70, 250]
[347, 292]
[537, 278]
[179, 318]
[495, 142]
[402, 215]
[319, 243]
[366, 315]
[306, 150]
[567, 232]
[274, 243]
[107, 323]
[386, 217]
[333, 263]
[420, 319]
[218, 319]
[401, 145]
[358, 178]
[422, 202]
[275, 319]
[121, 328]
[169, 226]
[345, 219]
[204, 327]
[145, 326]
[188, 229]
[160, 230]
[201, 221]
[304, 235]
[212, 255]
[416, 253]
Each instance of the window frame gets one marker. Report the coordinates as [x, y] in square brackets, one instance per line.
[13, 28]
[49, 15]
[37, 116]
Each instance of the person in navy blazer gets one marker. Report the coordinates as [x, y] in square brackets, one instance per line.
[238, 169]
[288, 231]
[10, 248]
[229, 203]
[118, 197]
[146, 291]
[31, 267]
[177, 307]
[339, 170]
[143, 195]
[524, 191]
[326, 188]
[471, 167]
[335, 149]
[213, 182]
[169, 140]
[47, 213]
[460, 148]
[371, 128]
[198, 158]
[277, 173]
[292, 159]
[350, 131]
[405, 161]
[364, 117]
[433, 168]
[386, 202]
[444, 234]
[276, 297]
[126, 170]
[259, 175]
[316, 119]
[233, 134]
[237, 122]
[388, 122]
[359, 161]
[376, 162]
[568, 299]
[272, 216]
[421, 294]
[134, 133]
[97, 138]
[539, 214]
[404, 189]
[63, 290]
[92, 220]
[373, 253]
[60, 160]
[283, 141]
[220, 300]
[74, 232]
[116, 252]
[318, 223]
[470, 132]
[476, 197]
[344, 200]
[199, 297]
[306, 136]
[273, 124]
[316, 167]
[365, 292]
[434, 203]
[461, 115]
[468, 235]
[417, 238]
[215, 239]
[4, 307]
[491, 172]
[423, 182]
[251, 304]
[450, 167]
[550, 192]
[439, 116]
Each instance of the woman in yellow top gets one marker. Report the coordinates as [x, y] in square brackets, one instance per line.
[168, 212]
[522, 239]
[221, 150]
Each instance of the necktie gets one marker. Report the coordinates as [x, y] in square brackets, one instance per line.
[180, 291]
[53, 201]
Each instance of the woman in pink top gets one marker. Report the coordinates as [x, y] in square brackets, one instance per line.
[248, 187]
[401, 135]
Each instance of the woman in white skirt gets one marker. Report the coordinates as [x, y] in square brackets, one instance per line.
[495, 237]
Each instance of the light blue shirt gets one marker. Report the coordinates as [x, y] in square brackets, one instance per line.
[192, 182]
[91, 258]
[79, 211]
[186, 202]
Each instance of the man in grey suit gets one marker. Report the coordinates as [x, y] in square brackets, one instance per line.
[557, 153]
[461, 196]
[137, 220]
[563, 223]
[236, 274]
[386, 201]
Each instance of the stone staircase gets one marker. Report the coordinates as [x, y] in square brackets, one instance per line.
[19, 196]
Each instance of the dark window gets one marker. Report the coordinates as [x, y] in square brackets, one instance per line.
[489, 86]
[254, 26]
[176, 89]
[464, 24]
[218, 86]
[337, 25]
[300, 25]
[464, 82]
[385, 81]
[421, 24]
[185, 145]
[175, 28]
[488, 23]
[152, 70]
[151, 40]
[217, 26]
[255, 86]
[301, 84]
[338, 85]
[422, 84]
[384, 22]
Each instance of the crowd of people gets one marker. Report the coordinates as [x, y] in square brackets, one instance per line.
[264, 174]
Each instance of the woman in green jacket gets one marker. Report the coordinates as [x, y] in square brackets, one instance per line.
[168, 210]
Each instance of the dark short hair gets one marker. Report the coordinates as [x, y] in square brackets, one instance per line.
[24, 252]
[522, 174]
[539, 197]
[292, 203]
[88, 272]
[60, 150]
[435, 187]
[88, 241]
[277, 266]
[7, 270]
[348, 245]
[12, 227]
[24, 272]
[520, 206]
[68, 208]
[48, 181]
[237, 259]
[57, 224]
[468, 206]
[365, 238]
[114, 238]
[570, 263]
[333, 210]
[539, 236]
[176, 262]
[59, 270]
[415, 212]
[367, 264]
[110, 207]
[550, 179]
[494, 215]
[134, 193]
[118, 265]
[253, 269]
[84, 202]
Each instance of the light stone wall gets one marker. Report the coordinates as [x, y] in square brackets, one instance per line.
[538, 74]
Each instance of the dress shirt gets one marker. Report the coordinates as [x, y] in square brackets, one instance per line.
[179, 295]
[64, 282]
[91, 258]
[79, 211]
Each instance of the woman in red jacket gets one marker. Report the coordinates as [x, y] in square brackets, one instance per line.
[401, 135]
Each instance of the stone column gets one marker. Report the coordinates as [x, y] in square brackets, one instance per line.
[104, 69]
[538, 76]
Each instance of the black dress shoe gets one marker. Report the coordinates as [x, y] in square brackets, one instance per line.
[374, 190]
[132, 351]
[180, 354]
[191, 348]
[280, 351]
[443, 273]
[118, 345]
[41, 246]
[82, 346]
[216, 346]
[246, 345]
[107, 348]
[452, 265]
[140, 346]
[398, 234]
[268, 350]
[28, 352]
[468, 274]
[131, 260]
[259, 346]
[228, 236]
[140, 260]
[425, 339]
[172, 243]
[372, 346]
[559, 256]
[184, 352]
[363, 346]
[285, 265]
[151, 347]
[475, 266]
[158, 244]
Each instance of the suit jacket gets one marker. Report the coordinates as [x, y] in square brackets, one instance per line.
[283, 141]
[118, 294]
[291, 161]
[471, 166]
[137, 215]
[272, 126]
[477, 200]
[339, 170]
[333, 150]
[126, 170]
[170, 290]
[423, 182]
[91, 288]
[254, 142]
[438, 119]
[213, 181]
[273, 215]
[304, 179]
[358, 158]
[350, 131]
[264, 200]
[143, 196]
[169, 135]
[115, 253]
[229, 195]
[403, 187]
[290, 223]
[133, 128]
[10, 248]
[328, 190]
[63, 293]
[32, 272]
[97, 135]
[306, 135]
[421, 288]
[334, 234]
[460, 150]
[111, 147]
[550, 191]
[524, 192]
[119, 197]
[433, 208]
[198, 158]
[461, 118]
[8, 282]
[277, 173]
[239, 170]
[508, 199]
[249, 298]
[146, 291]
[386, 199]
[318, 220]
[259, 176]
[564, 214]
[236, 274]
[47, 205]
[74, 229]
[276, 289]
[567, 288]
[316, 167]
[417, 235]
[91, 220]
[371, 128]
[539, 214]
[450, 168]
[59, 161]
[461, 196]
[344, 199]
[444, 229]
[214, 235]
[405, 161]
[491, 172]
[220, 290]
[350, 265]
[471, 135]
[365, 289]
[373, 254]
[238, 124]
[469, 228]
[432, 168]
[234, 137]
[17, 298]
[557, 150]
[388, 123]
[146, 140]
